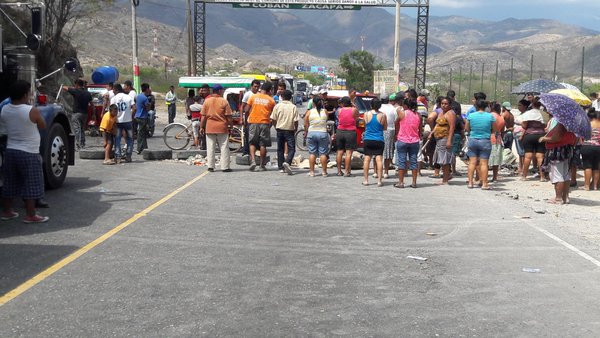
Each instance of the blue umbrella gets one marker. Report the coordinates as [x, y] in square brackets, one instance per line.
[537, 87]
[568, 113]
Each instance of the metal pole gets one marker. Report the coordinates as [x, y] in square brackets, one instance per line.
[512, 69]
[554, 73]
[496, 83]
[188, 16]
[531, 69]
[482, 69]
[397, 45]
[459, 80]
[470, 81]
[582, 67]
[136, 67]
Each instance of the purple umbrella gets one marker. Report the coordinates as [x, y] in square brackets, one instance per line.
[568, 113]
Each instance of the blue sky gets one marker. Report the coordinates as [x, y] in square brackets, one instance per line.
[585, 13]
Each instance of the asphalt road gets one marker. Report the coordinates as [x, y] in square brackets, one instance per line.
[269, 255]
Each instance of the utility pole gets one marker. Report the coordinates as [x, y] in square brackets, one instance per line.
[397, 45]
[154, 42]
[362, 43]
[136, 67]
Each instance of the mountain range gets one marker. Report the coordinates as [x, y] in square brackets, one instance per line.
[261, 37]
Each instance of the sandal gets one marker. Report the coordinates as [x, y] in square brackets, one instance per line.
[555, 201]
[399, 185]
[380, 184]
[365, 183]
[348, 175]
[487, 187]
[311, 174]
[340, 174]
[414, 186]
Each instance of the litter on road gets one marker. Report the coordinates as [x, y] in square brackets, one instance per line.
[531, 270]
[417, 258]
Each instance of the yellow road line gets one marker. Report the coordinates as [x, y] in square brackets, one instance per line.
[80, 252]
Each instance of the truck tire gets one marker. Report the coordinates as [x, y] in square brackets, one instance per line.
[56, 162]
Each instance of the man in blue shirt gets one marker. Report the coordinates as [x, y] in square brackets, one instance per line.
[476, 97]
[142, 106]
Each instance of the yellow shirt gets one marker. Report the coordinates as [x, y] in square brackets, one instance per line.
[108, 123]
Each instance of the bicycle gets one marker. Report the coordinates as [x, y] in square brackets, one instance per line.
[177, 136]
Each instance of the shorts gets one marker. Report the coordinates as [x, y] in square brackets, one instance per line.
[318, 143]
[374, 148]
[196, 128]
[389, 144]
[559, 171]
[259, 134]
[108, 138]
[23, 175]
[531, 144]
[480, 148]
[345, 139]
[590, 156]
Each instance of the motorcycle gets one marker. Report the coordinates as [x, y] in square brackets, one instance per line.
[151, 122]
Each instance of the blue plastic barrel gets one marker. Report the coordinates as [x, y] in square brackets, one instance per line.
[105, 74]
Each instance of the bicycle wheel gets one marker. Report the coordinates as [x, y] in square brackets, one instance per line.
[301, 140]
[235, 139]
[176, 136]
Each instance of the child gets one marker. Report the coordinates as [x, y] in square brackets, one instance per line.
[108, 127]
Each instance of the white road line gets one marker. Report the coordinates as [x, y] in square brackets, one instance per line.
[564, 243]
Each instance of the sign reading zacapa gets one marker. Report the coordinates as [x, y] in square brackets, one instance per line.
[303, 2]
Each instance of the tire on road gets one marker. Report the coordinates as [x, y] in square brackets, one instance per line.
[154, 155]
[91, 154]
[56, 162]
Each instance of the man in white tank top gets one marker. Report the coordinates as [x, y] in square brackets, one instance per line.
[22, 167]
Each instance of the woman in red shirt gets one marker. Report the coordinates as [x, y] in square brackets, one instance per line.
[560, 144]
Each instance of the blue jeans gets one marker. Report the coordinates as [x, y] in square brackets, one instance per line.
[480, 148]
[128, 127]
[284, 136]
[318, 143]
[407, 149]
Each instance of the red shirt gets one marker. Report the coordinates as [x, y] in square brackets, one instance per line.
[567, 139]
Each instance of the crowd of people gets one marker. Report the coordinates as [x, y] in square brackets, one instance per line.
[403, 128]
[406, 128]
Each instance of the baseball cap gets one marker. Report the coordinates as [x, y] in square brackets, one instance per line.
[392, 97]
[506, 105]
[217, 87]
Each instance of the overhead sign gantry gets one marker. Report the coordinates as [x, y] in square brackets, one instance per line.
[422, 23]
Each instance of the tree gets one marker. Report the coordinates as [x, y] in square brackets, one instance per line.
[359, 67]
[60, 19]
[314, 78]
